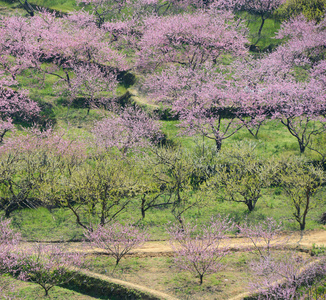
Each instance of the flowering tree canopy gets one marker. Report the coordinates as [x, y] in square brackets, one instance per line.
[132, 128]
[117, 239]
[190, 39]
[199, 249]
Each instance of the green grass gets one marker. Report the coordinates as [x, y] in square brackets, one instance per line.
[76, 120]
[273, 139]
[32, 291]
[318, 250]
[64, 6]
[9, 8]
[41, 224]
[271, 26]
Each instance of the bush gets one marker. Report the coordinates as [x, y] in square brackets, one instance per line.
[311, 9]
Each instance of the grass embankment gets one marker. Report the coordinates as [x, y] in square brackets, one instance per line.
[83, 286]
[31, 291]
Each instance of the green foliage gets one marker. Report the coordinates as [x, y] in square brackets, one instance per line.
[19, 179]
[241, 175]
[300, 181]
[311, 9]
[318, 250]
[97, 190]
[170, 173]
[317, 145]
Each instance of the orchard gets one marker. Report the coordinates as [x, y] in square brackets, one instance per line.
[153, 149]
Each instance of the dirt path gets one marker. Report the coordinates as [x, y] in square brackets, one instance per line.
[163, 248]
[129, 285]
[294, 239]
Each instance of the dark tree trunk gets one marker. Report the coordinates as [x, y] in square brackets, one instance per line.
[9, 209]
[178, 217]
[251, 205]
[302, 147]
[218, 143]
[143, 207]
[117, 261]
[303, 223]
[261, 27]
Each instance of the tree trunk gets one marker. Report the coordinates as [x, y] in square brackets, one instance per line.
[117, 261]
[260, 29]
[178, 217]
[10, 208]
[143, 207]
[302, 147]
[303, 223]
[251, 205]
[218, 142]
[7, 213]
[2, 135]
[102, 221]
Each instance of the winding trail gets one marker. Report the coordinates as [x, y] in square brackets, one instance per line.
[129, 285]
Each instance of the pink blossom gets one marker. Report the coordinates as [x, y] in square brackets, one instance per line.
[116, 239]
[131, 129]
[50, 265]
[198, 249]
[190, 39]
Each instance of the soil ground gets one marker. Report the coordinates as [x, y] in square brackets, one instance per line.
[163, 248]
